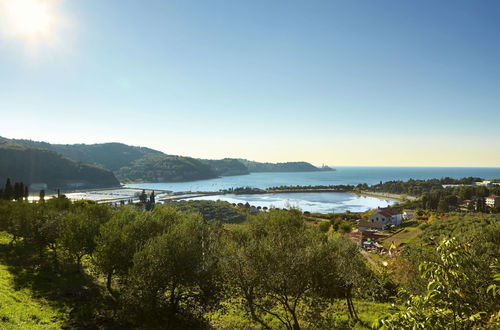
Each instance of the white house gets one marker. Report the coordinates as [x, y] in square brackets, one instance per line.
[382, 218]
[492, 201]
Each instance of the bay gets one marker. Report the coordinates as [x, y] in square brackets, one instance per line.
[325, 202]
[349, 175]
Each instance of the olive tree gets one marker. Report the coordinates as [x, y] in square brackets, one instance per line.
[277, 263]
[78, 229]
[114, 250]
[176, 267]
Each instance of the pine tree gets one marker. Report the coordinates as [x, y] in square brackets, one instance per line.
[16, 191]
[143, 197]
[8, 191]
[151, 203]
[152, 197]
[42, 195]
[26, 192]
[21, 191]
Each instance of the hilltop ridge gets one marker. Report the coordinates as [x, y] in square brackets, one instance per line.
[141, 164]
[50, 169]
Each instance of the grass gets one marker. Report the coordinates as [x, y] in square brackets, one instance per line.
[335, 315]
[368, 312]
[38, 294]
[19, 309]
[403, 236]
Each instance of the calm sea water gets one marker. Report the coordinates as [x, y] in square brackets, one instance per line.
[343, 175]
[318, 202]
[312, 202]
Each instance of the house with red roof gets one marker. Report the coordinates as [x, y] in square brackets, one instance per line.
[381, 219]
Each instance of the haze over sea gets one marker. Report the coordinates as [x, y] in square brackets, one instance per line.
[319, 202]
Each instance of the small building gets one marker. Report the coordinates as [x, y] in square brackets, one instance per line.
[407, 215]
[381, 219]
[460, 185]
[486, 183]
[492, 201]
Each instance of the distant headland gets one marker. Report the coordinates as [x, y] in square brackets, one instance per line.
[80, 166]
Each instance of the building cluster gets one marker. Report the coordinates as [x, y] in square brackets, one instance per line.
[475, 203]
[485, 183]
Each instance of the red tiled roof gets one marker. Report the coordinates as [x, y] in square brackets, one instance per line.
[387, 212]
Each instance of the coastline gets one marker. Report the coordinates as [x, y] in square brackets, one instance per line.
[395, 197]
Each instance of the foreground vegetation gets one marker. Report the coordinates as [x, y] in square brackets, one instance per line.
[84, 265]
[18, 308]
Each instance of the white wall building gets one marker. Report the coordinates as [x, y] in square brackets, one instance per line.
[492, 201]
[382, 218]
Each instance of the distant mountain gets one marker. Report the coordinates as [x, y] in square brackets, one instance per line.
[281, 167]
[32, 165]
[139, 164]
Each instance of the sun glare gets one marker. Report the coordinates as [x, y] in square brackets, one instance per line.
[33, 20]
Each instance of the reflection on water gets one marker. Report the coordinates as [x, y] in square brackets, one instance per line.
[312, 202]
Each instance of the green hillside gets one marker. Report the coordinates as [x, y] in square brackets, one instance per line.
[112, 156]
[140, 164]
[227, 166]
[280, 167]
[31, 165]
[163, 168]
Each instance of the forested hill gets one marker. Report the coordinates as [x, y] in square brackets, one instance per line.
[227, 166]
[281, 167]
[165, 168]
[32, 165]
[112, 156]
[140, 164]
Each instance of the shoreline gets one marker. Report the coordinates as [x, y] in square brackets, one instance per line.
[117, 194]
[395, 197]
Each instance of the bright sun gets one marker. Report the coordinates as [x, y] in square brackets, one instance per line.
[28, 19]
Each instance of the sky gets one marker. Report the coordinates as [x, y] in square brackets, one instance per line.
[379, 83]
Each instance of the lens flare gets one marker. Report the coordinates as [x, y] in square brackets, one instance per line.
[33, 20]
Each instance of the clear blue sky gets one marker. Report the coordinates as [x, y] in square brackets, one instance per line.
[335, 82]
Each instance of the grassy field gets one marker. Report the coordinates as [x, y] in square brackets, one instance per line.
[19, 309]
[368, 312]
[232, 316]
[403, 236]
[38, 294]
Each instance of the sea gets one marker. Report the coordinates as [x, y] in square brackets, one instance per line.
[326, 202]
